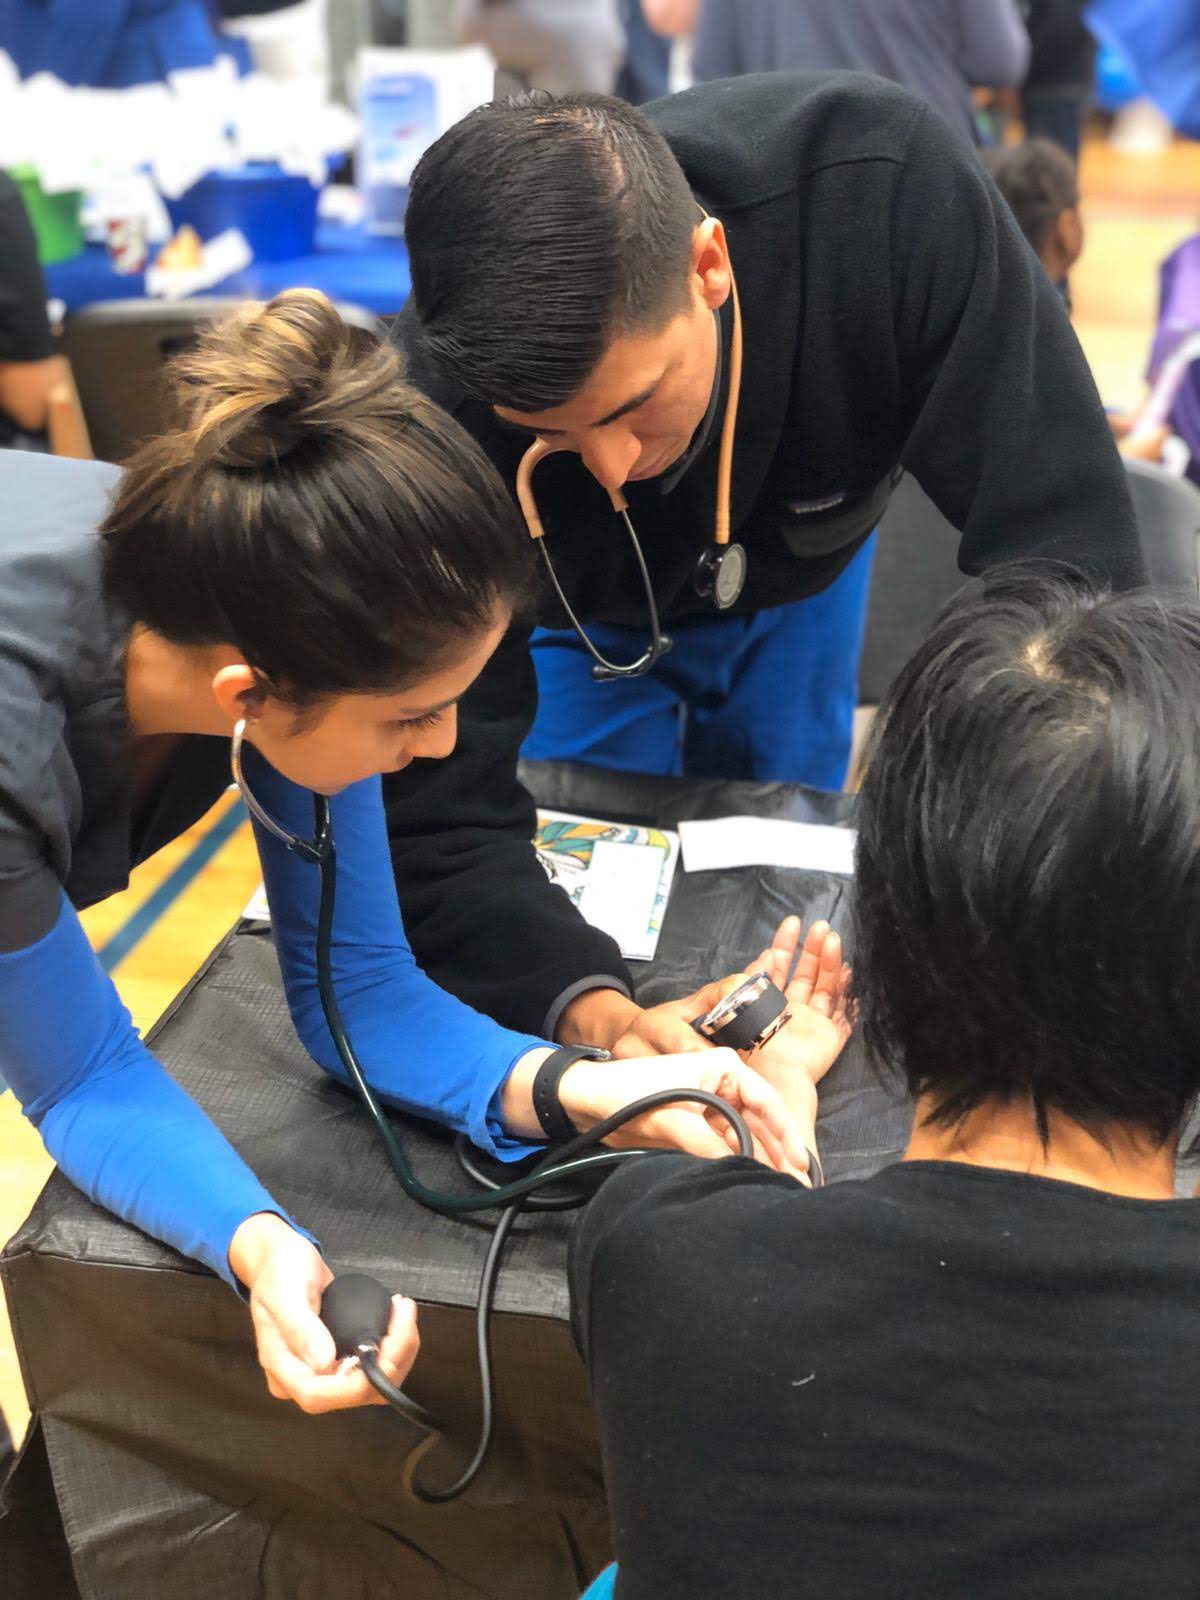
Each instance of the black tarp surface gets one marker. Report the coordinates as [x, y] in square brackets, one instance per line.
[159, 1462]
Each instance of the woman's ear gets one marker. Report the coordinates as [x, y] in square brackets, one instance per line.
[237, 690]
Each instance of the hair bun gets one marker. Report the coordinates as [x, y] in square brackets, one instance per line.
[262, 382]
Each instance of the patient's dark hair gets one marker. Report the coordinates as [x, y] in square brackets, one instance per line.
[1039, 182]
[312, 509]
[538, 230]
[1029, 858]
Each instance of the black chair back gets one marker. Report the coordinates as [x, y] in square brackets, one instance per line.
[118, 350]
[1168, 515]
[916, 571]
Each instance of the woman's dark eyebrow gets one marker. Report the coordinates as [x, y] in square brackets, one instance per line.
[430, 711]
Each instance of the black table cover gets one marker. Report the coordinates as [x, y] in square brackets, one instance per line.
[159, 1468]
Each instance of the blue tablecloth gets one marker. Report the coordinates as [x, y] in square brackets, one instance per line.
[348, 264]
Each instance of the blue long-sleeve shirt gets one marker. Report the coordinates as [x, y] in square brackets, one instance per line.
[422, 1049]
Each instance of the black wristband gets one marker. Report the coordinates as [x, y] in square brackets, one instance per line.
[556, 1124]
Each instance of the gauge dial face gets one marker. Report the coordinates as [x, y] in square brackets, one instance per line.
[730, 576]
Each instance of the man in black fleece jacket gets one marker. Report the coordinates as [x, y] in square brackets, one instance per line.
[572, 279]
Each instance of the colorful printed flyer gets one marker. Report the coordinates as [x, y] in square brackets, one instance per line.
[618, 874]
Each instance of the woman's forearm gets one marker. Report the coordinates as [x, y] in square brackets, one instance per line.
[420, 1048]
[119, 1127]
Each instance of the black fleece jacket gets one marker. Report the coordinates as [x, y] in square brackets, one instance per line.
[894, 318]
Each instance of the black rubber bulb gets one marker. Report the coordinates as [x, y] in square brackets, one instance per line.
[357, 1310]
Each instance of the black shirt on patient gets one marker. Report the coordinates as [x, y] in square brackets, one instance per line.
[942, 1380]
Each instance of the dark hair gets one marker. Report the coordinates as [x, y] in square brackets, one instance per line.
[312, 509]
[1038, 181]
[1029, 858]
[539, 229]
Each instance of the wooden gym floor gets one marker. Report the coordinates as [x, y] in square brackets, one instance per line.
[155, 935]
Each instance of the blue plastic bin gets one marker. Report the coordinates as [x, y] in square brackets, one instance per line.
[275, 210]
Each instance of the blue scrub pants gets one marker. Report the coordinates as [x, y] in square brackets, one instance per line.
[769, 697]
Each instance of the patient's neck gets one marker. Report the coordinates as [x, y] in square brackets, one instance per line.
[1126, 1162]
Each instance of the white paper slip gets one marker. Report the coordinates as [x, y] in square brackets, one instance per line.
[621, 888]
[766, 842]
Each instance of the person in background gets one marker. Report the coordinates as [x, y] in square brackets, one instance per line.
[1038, 180]
[1062, 64]
[646, 72]
[562, 46]
[109, 44]
[1160, 41]
[976, 1372]
[29, 368]
[939, 49]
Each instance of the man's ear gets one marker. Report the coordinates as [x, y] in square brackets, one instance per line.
[710, 265]
[1068, 231]
[237, 690]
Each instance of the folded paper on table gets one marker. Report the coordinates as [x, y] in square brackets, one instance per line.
[619, 875]
[767, 842]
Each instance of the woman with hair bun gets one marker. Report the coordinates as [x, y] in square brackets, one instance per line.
[319, 552]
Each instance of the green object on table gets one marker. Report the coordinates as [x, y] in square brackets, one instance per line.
[57, 225]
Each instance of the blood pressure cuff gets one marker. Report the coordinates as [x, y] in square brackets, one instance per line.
[119, 1127]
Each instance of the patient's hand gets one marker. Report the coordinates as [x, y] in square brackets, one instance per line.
[800, 1055]
[286, 1277]
[803, 1051]
[590, 1091]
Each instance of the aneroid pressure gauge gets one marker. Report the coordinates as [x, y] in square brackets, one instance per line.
[753, 1013]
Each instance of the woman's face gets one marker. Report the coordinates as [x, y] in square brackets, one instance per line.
[360, 735]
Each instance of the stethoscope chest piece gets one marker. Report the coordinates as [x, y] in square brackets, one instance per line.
[721, 573]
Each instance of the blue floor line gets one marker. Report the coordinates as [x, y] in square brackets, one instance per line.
[135, 928]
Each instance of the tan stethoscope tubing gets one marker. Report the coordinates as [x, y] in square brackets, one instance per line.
[729, 425]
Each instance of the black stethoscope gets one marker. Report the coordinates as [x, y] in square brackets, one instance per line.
[356, 1308]
[721, 571]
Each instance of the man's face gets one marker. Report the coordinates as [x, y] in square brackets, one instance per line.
[636, 414]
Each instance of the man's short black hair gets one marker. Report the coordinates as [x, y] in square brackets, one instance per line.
[1029, 858]
[538, 229]
[1039, 182]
